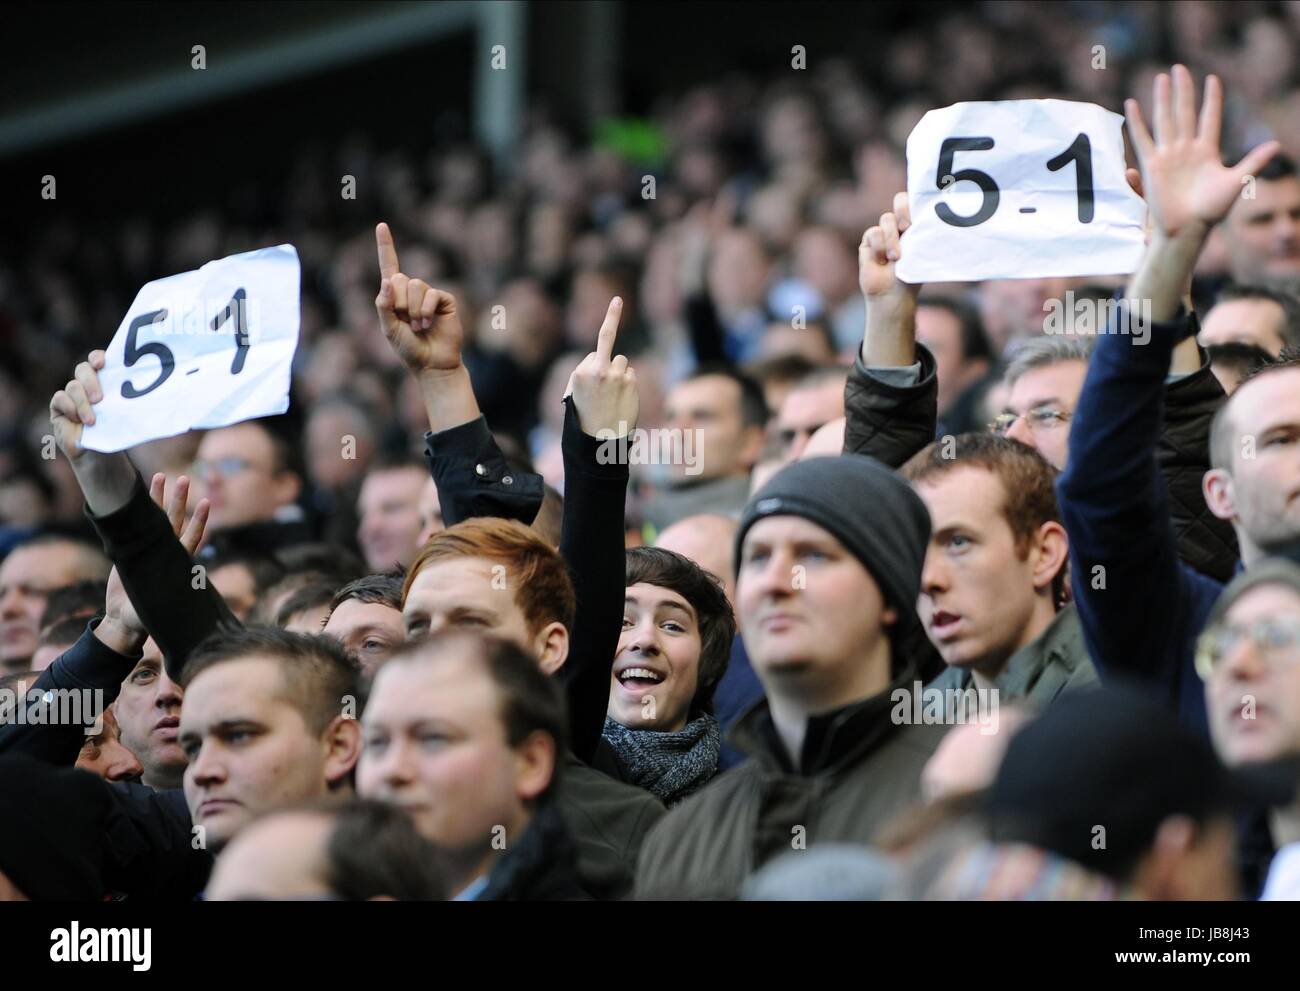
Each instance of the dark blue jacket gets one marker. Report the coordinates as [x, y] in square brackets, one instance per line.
[1141, 608]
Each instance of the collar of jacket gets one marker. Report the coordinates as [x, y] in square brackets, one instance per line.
[832, 740]
[540, 865]
[1060, 644]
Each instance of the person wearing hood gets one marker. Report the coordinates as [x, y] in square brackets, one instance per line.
[826, 596]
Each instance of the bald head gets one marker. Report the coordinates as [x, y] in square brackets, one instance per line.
[827, 442]
[707, 540]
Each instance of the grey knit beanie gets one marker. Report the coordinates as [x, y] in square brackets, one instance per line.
[873, 512]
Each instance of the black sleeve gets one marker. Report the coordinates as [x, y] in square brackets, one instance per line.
[1205, 542]
[151, 849]
[591, 543]
[87, 667]
[473, 478]
[177, 605]
[890, 422]
[708, 339]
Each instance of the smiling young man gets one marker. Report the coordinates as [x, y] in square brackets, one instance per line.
[660, 732]
[1262, 232]
[827, 603]
[993, 584]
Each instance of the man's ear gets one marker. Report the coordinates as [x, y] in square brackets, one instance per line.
[751, 445]
[1053, 550]
[288, 486]
[976, 369]
[1220, 493]
[342, 748]
[552, 647]
[535, 759]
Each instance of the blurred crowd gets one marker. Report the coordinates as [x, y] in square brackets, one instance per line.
[762, 189]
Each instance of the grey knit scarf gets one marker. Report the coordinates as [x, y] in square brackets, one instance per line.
[668, 765]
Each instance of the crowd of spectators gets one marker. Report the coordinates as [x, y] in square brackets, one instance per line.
[409, 587]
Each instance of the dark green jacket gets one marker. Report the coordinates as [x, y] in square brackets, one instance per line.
[857, 770]
[607, 821]
[1040, 671]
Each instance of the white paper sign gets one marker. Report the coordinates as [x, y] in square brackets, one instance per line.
[1019, 189]
[201, 349]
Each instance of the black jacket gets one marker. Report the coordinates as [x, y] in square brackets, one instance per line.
[175, 601]
[149, 849]
[473, 479]
[1205, 542]
[606, 818]
[542, 866]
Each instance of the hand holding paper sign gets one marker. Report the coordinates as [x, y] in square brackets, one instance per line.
[1019, 189]
[201, 349]
[890, 336]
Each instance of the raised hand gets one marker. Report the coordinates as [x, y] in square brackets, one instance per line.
[881, 249]
[889, 339]
[1188, 188]
[72, 407]
[119, 614]
[419, 321]
[603, 386]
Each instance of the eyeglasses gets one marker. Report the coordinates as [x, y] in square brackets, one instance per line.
[202, 470]
[1277, 640]
[1039, 418]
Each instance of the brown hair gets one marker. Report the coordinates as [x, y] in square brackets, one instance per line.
[1028, 482]
[316, 672]
[543, 589]
[658, 566]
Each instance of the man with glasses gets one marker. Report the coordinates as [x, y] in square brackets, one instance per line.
[1043, 383]
[1249, 659]
[893, 387]
[250, 476]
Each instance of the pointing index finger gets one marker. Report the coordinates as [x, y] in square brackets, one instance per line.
[609, 330]
[388, 266]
